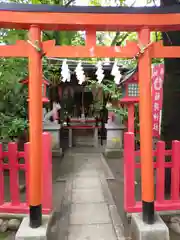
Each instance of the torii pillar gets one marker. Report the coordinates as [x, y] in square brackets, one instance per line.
[35, 125]
[145, 116]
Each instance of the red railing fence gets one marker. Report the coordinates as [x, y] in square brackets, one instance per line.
[130, 165]
[16, 206]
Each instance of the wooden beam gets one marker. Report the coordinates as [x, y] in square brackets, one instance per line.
[90, 38]
[129, 51]
[20, 49]
[84, 21]
[159, 51]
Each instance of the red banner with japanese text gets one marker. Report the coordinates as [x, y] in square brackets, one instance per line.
[157, 97]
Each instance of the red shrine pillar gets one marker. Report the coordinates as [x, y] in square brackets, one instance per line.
[145, 116]
[35, 125]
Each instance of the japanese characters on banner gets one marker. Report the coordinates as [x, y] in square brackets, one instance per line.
[157, 97]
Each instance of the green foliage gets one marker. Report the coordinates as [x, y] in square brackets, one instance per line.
[113, 92]
[13, 98]
[11, 127]
[95, 3]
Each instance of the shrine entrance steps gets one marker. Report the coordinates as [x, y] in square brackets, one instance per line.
[87, 210]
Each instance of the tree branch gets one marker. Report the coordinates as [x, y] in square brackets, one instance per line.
[48, 35]
[122, 39]
[113, 43]
[69, 3]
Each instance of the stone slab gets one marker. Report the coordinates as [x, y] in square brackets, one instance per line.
[107, 171]
[90, 213]
[87, 196]
[87, 173]
[143, 231]
[49, 126]
[113, 153]
[86, 182]
[26, 232]
[113, 126]
[92, 232]
[57, 152]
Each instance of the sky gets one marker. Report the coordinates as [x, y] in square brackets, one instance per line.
[129, 2]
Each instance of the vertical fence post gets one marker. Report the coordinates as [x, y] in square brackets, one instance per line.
[160, 171]
[26, 156]
[131, 117]
[47, 171]
[175, 170]
[1, 176]
[14, 175]
[129, 171]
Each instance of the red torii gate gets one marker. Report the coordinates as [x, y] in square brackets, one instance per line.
[36, 18]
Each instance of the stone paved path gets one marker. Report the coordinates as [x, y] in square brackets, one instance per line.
[92, 214]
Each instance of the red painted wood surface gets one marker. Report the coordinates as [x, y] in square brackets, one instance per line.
[13, 165]
[131, 117]
[85, 21]
[160, 172]
[130, 165]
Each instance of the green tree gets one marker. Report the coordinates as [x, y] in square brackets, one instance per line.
[13, 98]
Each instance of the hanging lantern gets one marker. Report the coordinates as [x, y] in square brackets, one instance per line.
[45, 83]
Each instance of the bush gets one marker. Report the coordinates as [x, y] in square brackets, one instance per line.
[13, 99]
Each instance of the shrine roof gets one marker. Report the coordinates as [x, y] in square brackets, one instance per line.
[88, 9]
[128, 75]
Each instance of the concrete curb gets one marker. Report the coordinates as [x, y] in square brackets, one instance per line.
[113, 153]
[26, 232]
[108, 173]
[58, 225]
[116, 220]
[143, 231]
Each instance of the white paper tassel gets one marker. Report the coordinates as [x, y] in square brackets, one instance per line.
[114, 69]
[117, 78]
[80, 73]
[100, 72]
[116, 73]
[65, 72]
